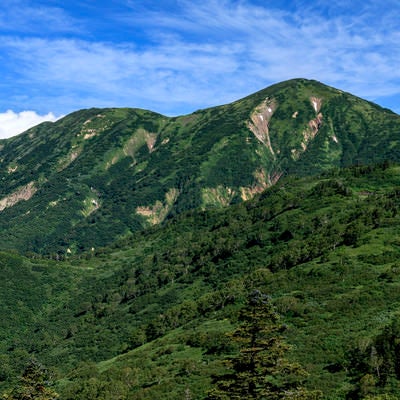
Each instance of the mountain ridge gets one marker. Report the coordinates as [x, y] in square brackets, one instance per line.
[131, 168]
[129, 242]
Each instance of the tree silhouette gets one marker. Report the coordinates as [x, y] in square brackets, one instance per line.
[260, 370]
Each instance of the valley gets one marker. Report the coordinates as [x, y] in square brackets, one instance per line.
[130, 243]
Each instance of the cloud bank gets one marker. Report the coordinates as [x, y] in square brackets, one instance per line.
[12, 123]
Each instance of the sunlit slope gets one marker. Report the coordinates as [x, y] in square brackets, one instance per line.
[98, 174]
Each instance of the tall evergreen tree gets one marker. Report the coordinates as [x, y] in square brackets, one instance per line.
[260, 370]
[34, 384]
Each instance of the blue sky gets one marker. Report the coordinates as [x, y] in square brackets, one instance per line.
[176, 56]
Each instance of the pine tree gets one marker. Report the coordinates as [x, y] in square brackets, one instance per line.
[260, 370]
[34, 384]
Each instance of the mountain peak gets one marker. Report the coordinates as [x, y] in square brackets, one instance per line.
[97, 174]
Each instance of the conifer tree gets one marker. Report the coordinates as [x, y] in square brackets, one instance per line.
[260, 370]
[34, 384]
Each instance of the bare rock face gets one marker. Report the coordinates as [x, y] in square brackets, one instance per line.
[259, 122]
[23, 193]
[316, 103]
[312, 128]
[261, 117]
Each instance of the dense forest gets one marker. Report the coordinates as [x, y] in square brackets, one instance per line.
[308, 271]
[249, 250]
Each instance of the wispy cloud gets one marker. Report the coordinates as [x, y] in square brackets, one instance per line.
[199, 54]
[12, 123]
[19, 16]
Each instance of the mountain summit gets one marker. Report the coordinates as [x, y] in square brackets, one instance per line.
[98, 174]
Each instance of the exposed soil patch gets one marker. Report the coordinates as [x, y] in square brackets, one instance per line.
[23, 193]
[259, 123]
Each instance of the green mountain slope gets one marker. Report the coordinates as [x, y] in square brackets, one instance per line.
[99, 174]
[147, 317]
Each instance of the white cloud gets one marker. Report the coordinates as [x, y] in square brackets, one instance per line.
[12, 123]
[20, 16]
[210, 53]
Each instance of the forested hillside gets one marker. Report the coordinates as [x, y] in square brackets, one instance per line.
[97, 175]
[148, 317]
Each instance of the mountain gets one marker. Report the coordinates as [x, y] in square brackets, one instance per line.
[130, 242]
[99, 174]
[147, 317]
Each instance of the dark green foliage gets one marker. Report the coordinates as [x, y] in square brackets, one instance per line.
[123, 309]
[260, 371]
[100, 174]
[375, 367]
[156, 305]
[34, 384]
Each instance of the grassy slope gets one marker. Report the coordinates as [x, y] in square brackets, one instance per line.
[102, 174]
[145, 319]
